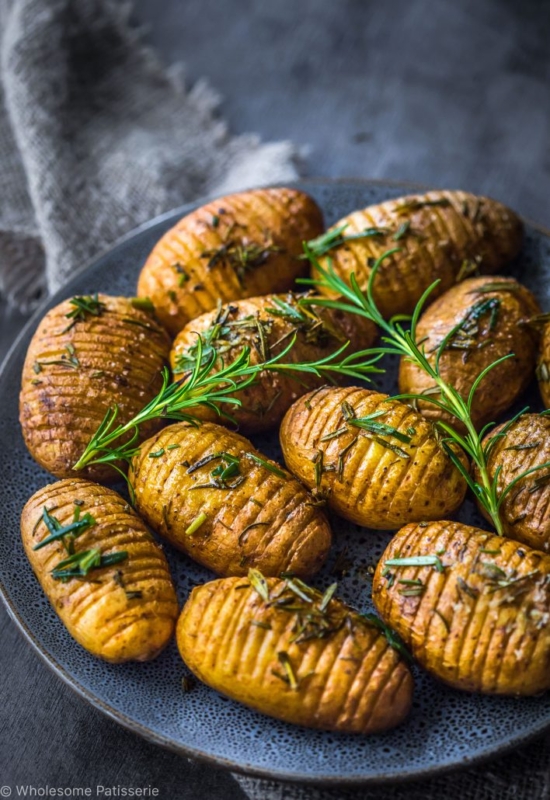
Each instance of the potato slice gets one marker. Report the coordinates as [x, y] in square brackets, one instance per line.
[214, 496]
[242, 245]
[474, 611]
[266, 325]
[441, 235]
[124, 609]
[375, 460]
[88, 354]
[291, 654]
[489, 317]
[517, 448]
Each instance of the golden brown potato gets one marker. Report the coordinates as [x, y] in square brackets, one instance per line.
[313, 662]
[88, 354]
[476, 615]
[543, 365]
[375, 460]
[442, 235]
[488, 316]
[242, 245]
[266, 326]
[516, 448]
[116, 596]
[214, 496]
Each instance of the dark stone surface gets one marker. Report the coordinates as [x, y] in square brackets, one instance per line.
[450, 94]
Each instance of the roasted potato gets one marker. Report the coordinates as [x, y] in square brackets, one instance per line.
[516, 448]
[87, 355]
[114, 594]
[266, 326]
[214, 496]
[242, 245]
[474, 612]
[483, 319]
[441, 235]
[543, 365]
[292, 653]
[375, 460]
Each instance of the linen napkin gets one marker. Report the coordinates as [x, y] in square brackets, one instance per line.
[96, 138]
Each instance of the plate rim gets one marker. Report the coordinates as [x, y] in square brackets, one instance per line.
[139, 728]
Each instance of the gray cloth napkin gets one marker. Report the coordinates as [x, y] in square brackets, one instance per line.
[96, 138]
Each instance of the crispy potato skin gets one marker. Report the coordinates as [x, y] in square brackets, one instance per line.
[119, 358]
[251, 323]
[497, 337]
[96, 610]
[464, 628]
[352, 681]
[543, 366]
[525, 511]
[439, 239]
[378, 488]
[187, 271]
[267, 521]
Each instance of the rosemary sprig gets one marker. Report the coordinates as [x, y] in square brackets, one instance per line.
[336, 237]
[205, 387]
[402, 342]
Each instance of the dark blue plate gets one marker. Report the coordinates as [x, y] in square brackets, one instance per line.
[445, 729]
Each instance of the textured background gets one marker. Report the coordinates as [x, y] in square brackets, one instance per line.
[449, 94]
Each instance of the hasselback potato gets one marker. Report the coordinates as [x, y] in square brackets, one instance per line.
[375, 460]
[214, 496]
[87, 355]
[518, 447]
[115, 595]
[266, 325]
[474, 612]
[442, 235]
[242, 245]
[311, 661]
[488, 318]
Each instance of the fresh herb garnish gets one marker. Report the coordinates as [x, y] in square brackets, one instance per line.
[197, 523]
[267, 465]
[398, 341]
[71, 361]
[416, 561]
[336, 237]
[84, 306]
[242, 256]
[79, 565]
[58, 531]
[229, 467]
[391, 636]
[259, 583]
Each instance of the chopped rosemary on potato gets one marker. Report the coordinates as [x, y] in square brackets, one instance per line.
[336, 237]
[79, 565]
[416, 561]
[84, 306]
[243, 256]
[197, 523]
[58, 531]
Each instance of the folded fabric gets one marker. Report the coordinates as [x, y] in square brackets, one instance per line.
[97, 137]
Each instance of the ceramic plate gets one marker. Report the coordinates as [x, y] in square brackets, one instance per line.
[445, 729]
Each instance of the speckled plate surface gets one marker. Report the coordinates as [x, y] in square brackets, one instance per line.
[445, 729]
